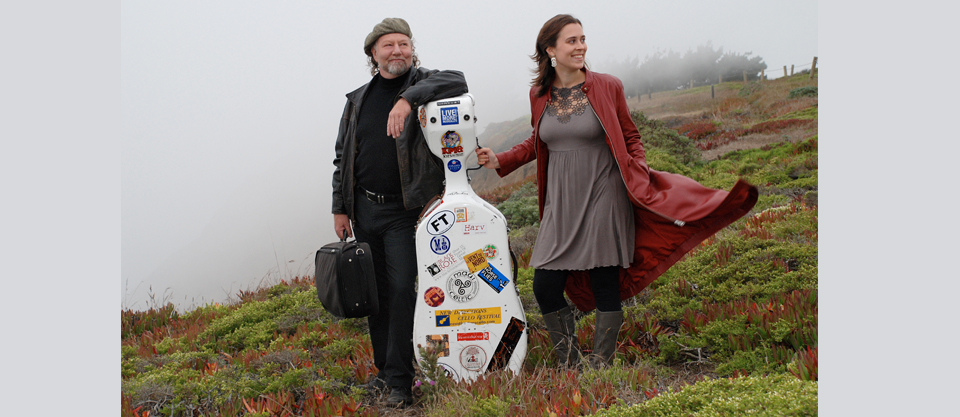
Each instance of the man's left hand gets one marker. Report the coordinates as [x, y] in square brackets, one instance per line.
[397, 117]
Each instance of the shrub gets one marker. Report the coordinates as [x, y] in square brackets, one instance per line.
[656, 135]
[521, 208]
[775, 395]
[809, 113]
[749, 88]
[255, 323]
[697, 130]
[809, 91]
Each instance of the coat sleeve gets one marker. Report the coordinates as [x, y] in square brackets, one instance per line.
[517, 156]
[523, 152]
[435, 85]
[631, 136]
[338, 205]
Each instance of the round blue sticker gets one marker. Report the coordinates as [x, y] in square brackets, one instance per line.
[440, 244]
[453, 165]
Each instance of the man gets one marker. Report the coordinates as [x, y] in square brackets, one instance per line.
[384, 176]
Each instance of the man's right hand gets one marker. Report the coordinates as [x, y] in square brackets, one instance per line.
[341, 225]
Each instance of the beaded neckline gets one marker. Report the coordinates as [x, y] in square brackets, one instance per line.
[567, 102]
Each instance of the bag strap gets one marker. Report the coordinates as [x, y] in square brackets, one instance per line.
[363, 265]
[515, 263]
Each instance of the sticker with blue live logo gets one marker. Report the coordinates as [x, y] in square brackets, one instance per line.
[449, 116]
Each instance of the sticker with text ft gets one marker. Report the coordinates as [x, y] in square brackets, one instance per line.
[440, 222]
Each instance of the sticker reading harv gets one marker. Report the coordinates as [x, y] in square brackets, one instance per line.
[449, 116]
[440, 222]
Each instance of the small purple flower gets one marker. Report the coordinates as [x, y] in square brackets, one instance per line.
[433, 382]
[417, 384]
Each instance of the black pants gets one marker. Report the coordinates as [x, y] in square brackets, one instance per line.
[604, 281]
[391, 232]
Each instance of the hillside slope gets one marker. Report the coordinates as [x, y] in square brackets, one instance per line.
[500, 137]
[730, 329]
[733, 105]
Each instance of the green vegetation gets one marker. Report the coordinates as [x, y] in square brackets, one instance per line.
[810, 91]
[668, 148]
[777, 395]
[731, 329]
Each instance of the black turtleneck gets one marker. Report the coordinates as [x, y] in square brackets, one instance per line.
[376, 166]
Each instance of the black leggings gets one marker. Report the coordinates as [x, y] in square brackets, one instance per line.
[604, 281]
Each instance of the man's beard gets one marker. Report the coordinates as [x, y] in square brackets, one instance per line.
[397, 68]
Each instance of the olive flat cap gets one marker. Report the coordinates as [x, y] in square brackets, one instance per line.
[388, 25]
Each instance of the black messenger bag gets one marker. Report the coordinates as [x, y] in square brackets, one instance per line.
[346, 285]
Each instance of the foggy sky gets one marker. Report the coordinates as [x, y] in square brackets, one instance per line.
[229, 111]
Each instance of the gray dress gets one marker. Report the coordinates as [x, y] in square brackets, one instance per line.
[587, 216]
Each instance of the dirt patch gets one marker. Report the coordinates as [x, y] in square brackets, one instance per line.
[758, 140]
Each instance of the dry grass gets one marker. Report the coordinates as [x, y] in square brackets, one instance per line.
[769, 101]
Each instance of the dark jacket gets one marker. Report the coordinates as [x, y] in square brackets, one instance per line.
[672, 213]
[421, 172]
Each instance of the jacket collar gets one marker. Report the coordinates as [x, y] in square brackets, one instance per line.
[356, 96]
[587, 84]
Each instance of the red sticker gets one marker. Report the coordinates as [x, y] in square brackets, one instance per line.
[466, 337]
[433, 296]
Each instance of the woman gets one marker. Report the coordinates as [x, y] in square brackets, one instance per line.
[609, 224]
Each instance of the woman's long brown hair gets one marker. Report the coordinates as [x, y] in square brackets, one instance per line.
[547, 38]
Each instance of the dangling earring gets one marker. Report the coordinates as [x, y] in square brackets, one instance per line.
[553, 61]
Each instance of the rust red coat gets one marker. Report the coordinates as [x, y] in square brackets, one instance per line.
[672, 213]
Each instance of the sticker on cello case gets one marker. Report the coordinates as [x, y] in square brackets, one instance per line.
[462, 286]
[440, 344]
[473, 357]
[490, 251]
[451, 144]
[440, 244]
[493, 277]
[478, 316]
[474, 229]
[473, 336]
[452, 374]
[511, 336]
[454, 165]
[440, 221]
[433, 296]
[461, 213]
[423, 117]
[476, 260]
[449, 116]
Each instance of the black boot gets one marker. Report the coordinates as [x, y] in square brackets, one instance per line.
[605, 337]
[563, 334]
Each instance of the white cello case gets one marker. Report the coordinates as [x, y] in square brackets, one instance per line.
[467, 306]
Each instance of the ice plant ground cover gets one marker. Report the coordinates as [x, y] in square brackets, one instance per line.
[730, 329]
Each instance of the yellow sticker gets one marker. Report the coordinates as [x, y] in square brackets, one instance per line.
[476, 261]
[486, 315]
